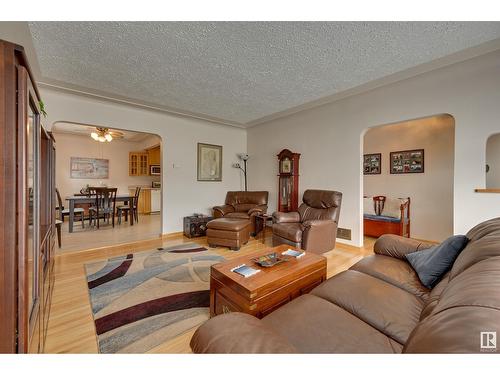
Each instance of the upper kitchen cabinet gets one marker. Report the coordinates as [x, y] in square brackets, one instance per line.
[138, 164]
[154, 155]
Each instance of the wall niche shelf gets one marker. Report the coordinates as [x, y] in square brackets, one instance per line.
[487, 191]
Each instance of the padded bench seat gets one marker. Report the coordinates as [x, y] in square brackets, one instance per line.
[382, 218]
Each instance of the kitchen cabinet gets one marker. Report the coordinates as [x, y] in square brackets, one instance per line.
[138, 164]
[154, 155]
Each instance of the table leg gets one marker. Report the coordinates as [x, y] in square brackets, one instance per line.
[264, 231]
[71, 215]
[130, 213]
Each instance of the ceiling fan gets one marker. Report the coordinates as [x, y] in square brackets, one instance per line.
[105, 135]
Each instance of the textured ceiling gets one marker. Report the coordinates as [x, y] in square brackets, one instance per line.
[240, 72]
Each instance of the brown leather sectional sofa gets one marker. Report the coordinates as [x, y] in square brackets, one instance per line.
[243, 205]
[379, 306]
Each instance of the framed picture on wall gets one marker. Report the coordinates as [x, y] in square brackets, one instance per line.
[209, 162]
[408, 161]
[372, 163]
[89, 168]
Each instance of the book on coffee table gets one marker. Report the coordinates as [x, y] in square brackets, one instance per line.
[245, 270]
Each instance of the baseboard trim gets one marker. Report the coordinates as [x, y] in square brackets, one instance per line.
[171, 235]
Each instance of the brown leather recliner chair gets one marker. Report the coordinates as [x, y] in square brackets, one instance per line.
[243, 205]
[314, 226]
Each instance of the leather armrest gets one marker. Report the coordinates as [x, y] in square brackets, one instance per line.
[317, 223]
[238, 333]
[260, 209]
[319, 235]
[220, 211]
[397, 247]
[286, 217]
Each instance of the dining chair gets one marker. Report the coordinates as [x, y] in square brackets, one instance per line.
[104, 204]
[58, 229]
[65, 211]
[131, 209]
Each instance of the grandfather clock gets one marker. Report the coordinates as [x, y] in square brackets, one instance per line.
[288, 181]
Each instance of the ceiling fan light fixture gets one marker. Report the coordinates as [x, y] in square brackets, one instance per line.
[102, 135]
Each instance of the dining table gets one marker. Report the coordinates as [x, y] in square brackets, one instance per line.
[77, 199]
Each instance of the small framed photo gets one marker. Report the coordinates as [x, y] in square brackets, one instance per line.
[408, 161]
[372, 164]
[209, 162]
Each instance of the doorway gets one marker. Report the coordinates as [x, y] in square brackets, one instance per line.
[97, 156]
[410, 167]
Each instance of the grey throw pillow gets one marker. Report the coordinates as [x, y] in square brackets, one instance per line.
[431, 264]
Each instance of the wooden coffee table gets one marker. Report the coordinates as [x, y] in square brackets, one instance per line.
[269, 289]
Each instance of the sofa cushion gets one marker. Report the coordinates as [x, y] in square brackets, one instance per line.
[382, 218]
[237, 215]
[243, 207]
[434, 296]
[372, 300]
[315, 325]
[476, 251]
[394, 271]
[252, 197]
[290, 231]
[238, 333]
[322, 198]
[392, 207]
[431, 264]
[369, 206]
[469, 305]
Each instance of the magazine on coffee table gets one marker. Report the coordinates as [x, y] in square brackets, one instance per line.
[294, 253]
[245, 270]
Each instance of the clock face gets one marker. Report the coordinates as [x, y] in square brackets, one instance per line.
[286, 166]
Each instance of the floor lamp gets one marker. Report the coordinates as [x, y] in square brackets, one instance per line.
[244, 158]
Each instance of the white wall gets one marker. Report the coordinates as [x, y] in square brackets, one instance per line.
[431, 192]
[182, 193]
[493, 160]
[330, 137]
[72, 145]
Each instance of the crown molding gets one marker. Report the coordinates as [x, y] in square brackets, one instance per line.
[104, 96]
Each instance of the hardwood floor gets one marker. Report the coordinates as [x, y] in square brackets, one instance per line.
[149, 227]
[71, 327]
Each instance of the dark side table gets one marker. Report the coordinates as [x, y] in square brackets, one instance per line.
[260, 223]
[196, 225]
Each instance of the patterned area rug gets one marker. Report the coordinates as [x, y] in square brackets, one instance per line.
[143, 299]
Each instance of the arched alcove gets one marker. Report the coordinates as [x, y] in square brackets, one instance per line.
[426, 177]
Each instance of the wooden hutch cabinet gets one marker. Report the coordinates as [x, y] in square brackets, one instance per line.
[27, 208]
[288, 181]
